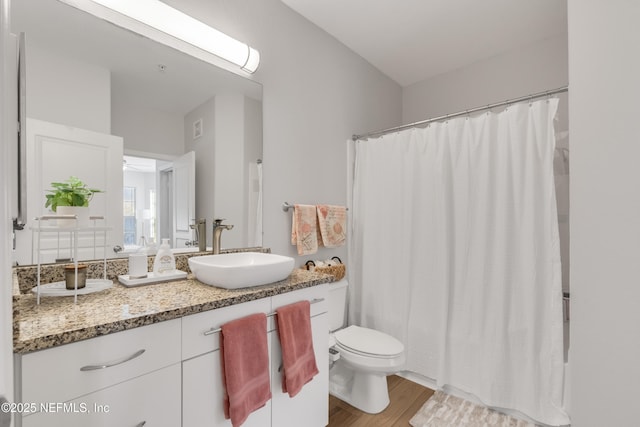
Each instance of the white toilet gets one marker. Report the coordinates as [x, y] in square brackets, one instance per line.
[365, 357]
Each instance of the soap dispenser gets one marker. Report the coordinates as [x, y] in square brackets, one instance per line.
[165, 262]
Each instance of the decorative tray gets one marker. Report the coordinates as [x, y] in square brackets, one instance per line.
[152, 278]
[59, 289]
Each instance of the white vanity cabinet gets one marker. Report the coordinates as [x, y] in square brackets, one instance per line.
[149, 400]
[202, 390]
[120, 376]
[310, 407]
[167, 374]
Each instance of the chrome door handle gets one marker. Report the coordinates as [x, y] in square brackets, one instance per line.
[114, 363]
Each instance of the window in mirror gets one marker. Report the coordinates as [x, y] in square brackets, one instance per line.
[129, 213]
[140, 218]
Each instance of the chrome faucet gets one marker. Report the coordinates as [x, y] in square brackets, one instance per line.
[217, 231]
[200, 225]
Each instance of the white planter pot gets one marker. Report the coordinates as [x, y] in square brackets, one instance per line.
[81, 212]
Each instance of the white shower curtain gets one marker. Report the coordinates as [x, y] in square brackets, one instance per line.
[455, 252]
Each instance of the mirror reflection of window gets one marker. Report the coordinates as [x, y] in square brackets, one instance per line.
[151, 217]
[140, 210]
[129, 213]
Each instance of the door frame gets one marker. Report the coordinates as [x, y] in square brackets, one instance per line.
[8, 102]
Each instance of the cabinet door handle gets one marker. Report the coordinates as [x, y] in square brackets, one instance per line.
[114, 363]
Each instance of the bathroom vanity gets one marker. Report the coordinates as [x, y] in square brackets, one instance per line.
[150, 355]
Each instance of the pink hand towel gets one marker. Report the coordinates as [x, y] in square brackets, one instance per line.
[244, 355]
[298, 359]
[304, 229]
[332, 221]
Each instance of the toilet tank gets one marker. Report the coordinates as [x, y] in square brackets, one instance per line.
[338, 304]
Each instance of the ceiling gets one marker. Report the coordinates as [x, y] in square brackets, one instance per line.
[413, 40]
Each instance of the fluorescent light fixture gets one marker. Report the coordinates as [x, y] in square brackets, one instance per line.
[171, 21]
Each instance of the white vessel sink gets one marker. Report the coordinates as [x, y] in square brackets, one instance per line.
[241, 270]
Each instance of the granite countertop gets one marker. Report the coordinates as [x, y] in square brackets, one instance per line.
[57, 320]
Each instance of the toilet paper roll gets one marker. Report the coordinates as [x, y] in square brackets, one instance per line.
[138, 266]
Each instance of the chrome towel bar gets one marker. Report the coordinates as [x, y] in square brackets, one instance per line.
[216, 330]
[286, 206]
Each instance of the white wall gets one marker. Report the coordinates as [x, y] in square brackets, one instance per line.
[529, 69]
[253, 151]
[146, 129]
[66, 91]
[231, 139]
[205, 156]
[605, 212]
[230, 192]
[75, 93]
[317, 93]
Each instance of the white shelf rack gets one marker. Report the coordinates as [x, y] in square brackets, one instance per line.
[44, 225]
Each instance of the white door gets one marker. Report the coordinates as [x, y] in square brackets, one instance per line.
[184, 198]
[54, 153]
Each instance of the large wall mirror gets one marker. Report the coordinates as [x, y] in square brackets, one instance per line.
[190, 133]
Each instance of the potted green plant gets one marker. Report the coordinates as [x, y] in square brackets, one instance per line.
[71, 197]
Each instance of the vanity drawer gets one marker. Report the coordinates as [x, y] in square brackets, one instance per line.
[156, 396]
[194, 327]
[62, 373]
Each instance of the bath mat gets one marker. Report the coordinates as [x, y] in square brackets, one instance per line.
[444, 410]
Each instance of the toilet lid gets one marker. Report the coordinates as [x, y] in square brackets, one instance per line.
[368, 341]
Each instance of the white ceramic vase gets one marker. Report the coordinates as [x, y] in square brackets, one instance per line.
[82, 213]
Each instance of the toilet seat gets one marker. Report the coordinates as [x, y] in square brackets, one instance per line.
[368, 342]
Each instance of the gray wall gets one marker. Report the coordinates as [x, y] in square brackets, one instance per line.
[605, 212]
[317, 93]
[529, 69]
[69, 92]
[230, 195]
[205, 157]
[146, 129]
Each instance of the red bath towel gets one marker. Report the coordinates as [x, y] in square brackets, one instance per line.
[245, 366]
[298, 359]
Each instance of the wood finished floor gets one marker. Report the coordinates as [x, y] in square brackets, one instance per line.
[406, 398]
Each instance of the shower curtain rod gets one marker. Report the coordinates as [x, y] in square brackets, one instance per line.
[462, 113]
